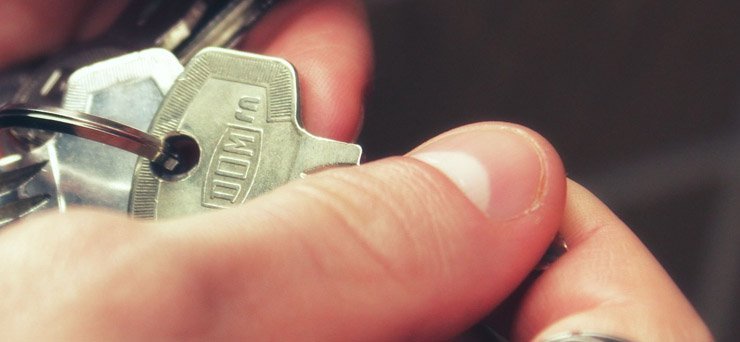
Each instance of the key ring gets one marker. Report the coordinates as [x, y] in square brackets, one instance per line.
[91, 127]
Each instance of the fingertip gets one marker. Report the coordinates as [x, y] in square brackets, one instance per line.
[608, 282]
[394, 248]
[507, 170]
[526, 197]
[329, 43]
[31, 28]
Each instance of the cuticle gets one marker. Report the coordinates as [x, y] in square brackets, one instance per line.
[542, 186]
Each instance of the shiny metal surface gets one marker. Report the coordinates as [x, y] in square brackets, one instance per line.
[12, 180]
[87, 126]
[16, 171]
[126, 89]
[557, 248]
[225, 26]
[243, 111]
[143, 24]
[160, 23]
[11, 211]
[38, 179]
[174, 25]
[184, 26]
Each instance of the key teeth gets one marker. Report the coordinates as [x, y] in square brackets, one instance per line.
[17, 209]
[12, 206]
[14, 179]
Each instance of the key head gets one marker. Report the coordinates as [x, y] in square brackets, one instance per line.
[76, 171]
[242, 110]
[127, 89]
[46, 84]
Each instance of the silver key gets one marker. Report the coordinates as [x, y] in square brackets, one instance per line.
[237, 115]
[13, 204]
[126, 89]
[143, 24]
[228, 131]
[178, 25]
[225, 27]
[182, 25]
[23, 168]
[72, 171]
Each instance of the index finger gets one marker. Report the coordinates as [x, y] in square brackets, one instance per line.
[607, 283]
[329, 43]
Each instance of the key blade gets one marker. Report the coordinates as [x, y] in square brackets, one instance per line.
[225, 26]
[11, 80]
[318, 153]
[22, 207]
[12, 180]
[163, 23]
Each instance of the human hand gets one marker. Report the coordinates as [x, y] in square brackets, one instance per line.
[415, 247]
[327, 41]
[607, 282]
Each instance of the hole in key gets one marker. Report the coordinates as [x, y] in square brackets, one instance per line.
[186, 149]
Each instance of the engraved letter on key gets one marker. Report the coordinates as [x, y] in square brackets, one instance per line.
[242, 109]
[236, 157]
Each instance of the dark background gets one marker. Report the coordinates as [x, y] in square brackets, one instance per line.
[641, 98]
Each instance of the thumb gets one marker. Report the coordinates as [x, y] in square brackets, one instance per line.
[416, 247]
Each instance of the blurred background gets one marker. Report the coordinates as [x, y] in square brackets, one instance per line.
[641, 98]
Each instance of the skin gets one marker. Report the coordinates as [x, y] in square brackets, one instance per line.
[391, 250]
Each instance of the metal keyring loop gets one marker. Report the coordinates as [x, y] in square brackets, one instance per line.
[90, 127]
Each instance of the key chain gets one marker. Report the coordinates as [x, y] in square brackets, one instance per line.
[70, 169]
[14, 205]
[93, 128]
[228, 130]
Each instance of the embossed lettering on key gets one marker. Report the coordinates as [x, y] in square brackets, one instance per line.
[242, 109]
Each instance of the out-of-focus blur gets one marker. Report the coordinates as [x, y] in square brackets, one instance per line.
[642, 99]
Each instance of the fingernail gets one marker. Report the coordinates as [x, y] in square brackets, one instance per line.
[499, 168]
